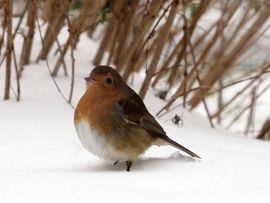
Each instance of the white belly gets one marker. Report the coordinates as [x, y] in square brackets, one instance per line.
[96, 144]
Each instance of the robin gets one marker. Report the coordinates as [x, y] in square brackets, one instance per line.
[113, 123]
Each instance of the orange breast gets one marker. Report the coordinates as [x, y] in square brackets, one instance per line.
[95, 106]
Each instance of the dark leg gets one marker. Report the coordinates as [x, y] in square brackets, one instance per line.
[116, 162]
[129, 164]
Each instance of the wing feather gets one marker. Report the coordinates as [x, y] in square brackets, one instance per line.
[136, 114]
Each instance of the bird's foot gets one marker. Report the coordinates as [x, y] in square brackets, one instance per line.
[129, 164]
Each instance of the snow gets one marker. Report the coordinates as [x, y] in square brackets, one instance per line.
[43, 161]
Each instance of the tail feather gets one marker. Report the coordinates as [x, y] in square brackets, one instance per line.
[182, 148]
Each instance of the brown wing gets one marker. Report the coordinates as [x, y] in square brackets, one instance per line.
[134, 112]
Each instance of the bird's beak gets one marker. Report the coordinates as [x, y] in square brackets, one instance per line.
[87, 79]
[90, 79]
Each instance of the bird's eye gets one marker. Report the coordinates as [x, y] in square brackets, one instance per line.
[109, 80]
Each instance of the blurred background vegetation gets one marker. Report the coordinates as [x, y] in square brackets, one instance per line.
[211, 54]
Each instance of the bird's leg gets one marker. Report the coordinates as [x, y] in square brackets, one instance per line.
[129, 164]
[116, 162]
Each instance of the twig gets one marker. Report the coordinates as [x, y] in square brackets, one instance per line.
[238, 81]
[240, 92]
[152, 32]
[72, 45]
[170, 110]
[8, 21]
[21, 19]
[3, 59]
[48, 67]
[220, 99]
[18, 97]
[252, 109]
[264, 133]
[163, 35]
[247, 107]
[53, 32]
[198, 77]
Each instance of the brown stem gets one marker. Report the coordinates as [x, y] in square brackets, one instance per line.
[8, 17]
[72, 42]
[48, 67]
[137, 40]
[54, 13]
[163, 35]
[28, 40]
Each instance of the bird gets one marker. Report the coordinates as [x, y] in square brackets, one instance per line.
[113, 123]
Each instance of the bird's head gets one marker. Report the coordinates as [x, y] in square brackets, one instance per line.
[106, 79]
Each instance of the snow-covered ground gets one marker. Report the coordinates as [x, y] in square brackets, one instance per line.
[41, 159]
